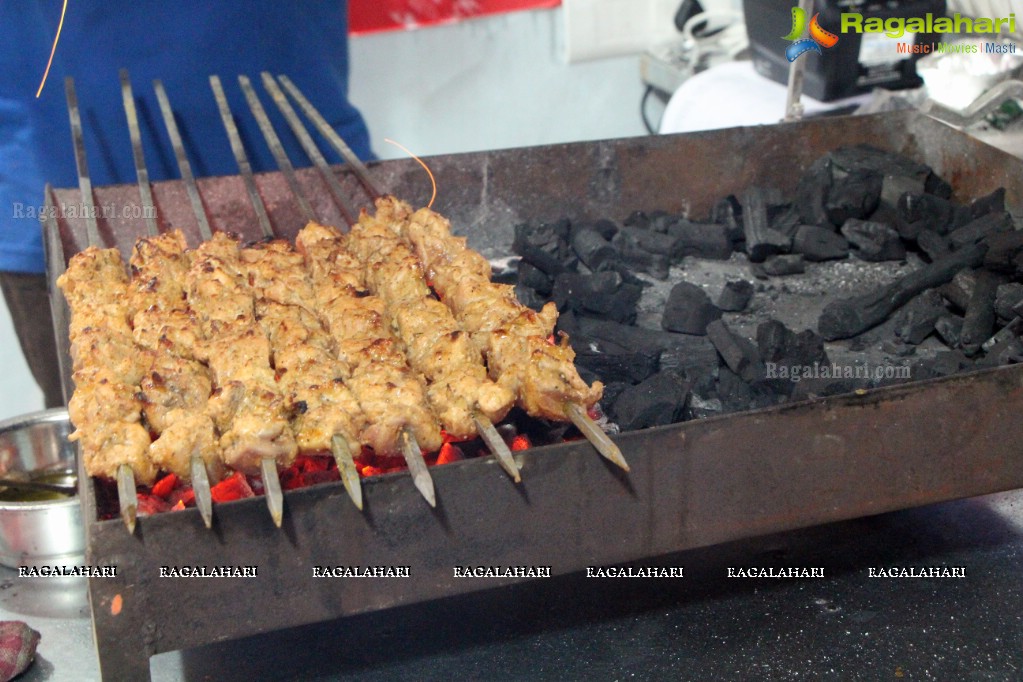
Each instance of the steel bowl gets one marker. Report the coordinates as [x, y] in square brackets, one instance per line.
[46, 532]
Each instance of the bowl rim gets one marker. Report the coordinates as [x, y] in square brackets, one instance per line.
[51, 415]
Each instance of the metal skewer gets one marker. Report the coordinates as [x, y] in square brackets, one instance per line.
[339, 448]
[145, 191]
[497, 446]
[417, 466]
[200, 475]
[311, 150]
[271, 481]
[331, 135]
[127, 500]
[593, 433]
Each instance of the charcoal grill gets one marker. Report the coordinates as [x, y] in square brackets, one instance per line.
[692, 485]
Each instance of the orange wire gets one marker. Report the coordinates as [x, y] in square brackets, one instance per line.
[53, 50]
[433, 180]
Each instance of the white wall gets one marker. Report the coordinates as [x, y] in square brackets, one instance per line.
[489, 83]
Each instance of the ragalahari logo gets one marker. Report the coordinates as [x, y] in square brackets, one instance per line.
[818, 36]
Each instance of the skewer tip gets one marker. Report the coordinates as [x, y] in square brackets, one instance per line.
[497, 446]
[346, 468]
[593, 433]
[126, 498]
[272, 490]
[201, 488]
[417, 467]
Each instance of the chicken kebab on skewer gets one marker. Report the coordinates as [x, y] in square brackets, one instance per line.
[326, 416]
[516, 341]
[175, 392]
[107, 370]
[246, 406]
[465, 400]
[392, 396]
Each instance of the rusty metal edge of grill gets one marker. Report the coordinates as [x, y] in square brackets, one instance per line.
[693, 484]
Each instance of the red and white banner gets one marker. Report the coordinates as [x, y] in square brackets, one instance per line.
[371, 16]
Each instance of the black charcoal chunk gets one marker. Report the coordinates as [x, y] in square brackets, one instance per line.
[918, 212]
[897, 348]
[864, 157]
[529, 298]
[949, 362]
[637, 219]
[604, 227]
[984, 226]
[812, 192]
[602, 293]
[1007, 351]
[611, 393]
[703, 240]
[612, 363]
[739, 353]
[1007, 298]
[543, 245]
[785, 219]
[694, 354]
[979, 322]
[761, 240]
[703, 399]
[873, 241]
[735, 296]
[533, 277]
[958, 291]
[855, 195]
[848, 317]
[661, 243]
[819, 243]
[949, 328]
[593, 249]
[933, 244]
[728, 213]
[735, 394]
[779, 344]
[992, 203]
[635, 257]
[1009, 331]
[916, 320]
[689, 310]
[657, 401]
[780, 265]
[660, 221]
[893, 188]
[1004, 254]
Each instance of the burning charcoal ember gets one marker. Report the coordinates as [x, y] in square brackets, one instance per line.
[855, 195]
[1005, 253]
[873, 241]
[979, 323]
[949, 328]
[916, 320]
[593, 249]
[735, 296]
[1008, 297]
[702, 240]
[728, 213]
[659, 400]
[660, 243]
[739, 354]
[934, 245]
[761, 240]
[819, 244]
[812, 192]
[848, 317]
[979, 228]
[543, 245]
[602, 293]
[1009, 331]
[780, 265]
[633, 255]
[918, 212]
[689, 310]
[534, 278]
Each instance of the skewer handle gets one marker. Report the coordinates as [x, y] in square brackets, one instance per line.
[126, 497]
[497, 446]
[417, 467]
[346, 467]
[593, 433]
[272, 490]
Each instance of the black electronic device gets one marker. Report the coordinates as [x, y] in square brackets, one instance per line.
[857, 63]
